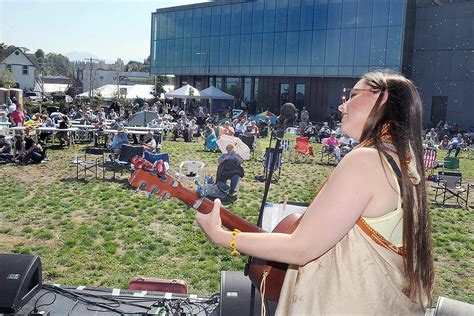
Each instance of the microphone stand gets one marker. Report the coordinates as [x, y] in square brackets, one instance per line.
[277, 133]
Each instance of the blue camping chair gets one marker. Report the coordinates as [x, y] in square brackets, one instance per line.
[152, 157]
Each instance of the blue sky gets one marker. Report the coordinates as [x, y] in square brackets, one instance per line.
[110, 29]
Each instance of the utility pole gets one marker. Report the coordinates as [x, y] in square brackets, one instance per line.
[90, 75]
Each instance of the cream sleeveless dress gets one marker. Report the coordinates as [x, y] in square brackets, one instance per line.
[355, 277]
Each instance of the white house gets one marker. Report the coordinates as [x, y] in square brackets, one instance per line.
[21, 66]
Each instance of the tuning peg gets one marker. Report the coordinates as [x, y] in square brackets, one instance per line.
[141, 187]
[152, 192]
[174, 184]
[165, 196]
[164, 178]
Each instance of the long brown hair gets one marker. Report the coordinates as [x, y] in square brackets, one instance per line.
[400, 117]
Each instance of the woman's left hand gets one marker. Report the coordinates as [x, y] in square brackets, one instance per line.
[211, 223]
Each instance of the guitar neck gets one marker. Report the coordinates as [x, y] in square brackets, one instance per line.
[191, 198]
[229, 220]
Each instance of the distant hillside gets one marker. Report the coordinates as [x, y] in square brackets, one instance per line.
[80, 56]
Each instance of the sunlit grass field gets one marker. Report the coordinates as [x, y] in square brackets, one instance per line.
[101, 233]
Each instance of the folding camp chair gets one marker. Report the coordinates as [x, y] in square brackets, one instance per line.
[190, 170]
[429, 160]
[327, 152]
[303, 149]
[93, 160]
[451, 186]
[269, 152]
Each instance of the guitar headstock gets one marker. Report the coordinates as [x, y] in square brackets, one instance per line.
[153, 179]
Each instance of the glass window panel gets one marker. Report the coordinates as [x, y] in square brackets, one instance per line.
[154, 29]
[169, 53]
[247, 89]
[378, 46]
[234, 50]
[216, 20]
[219, 82]
[246, 18]
[206, 22]
[236, 18]
[332, 47]
[214, 50]
[304, 50]
[279, 52]
[380, 13]
[346, 56]
[364, 13]
[292, 48]
[281, 15]
[170, 24]
[359, 71]
[161, 53]
[163, 26]
[362, 47]
[269, 16]
[394, 45]
[303, 70]
[257, 17]
[197, 13]
[178, 52]
[334, 14]
[331, 70]
[307, 8]
[267, 70]
[224, 50]
[284, 89]
[204, 57]
[256, 53]
[319, 47]
[196, 48]
[349, 13]
[179, 24]
[225, 19]
[188, 23]
[278, 70]
[255, 89]
[397, 8]
[320, 14]
[345, 71]
[267, 49]
[294, 9]
[299, 95]
[291, 70]
[317, 70]
[187, 52]
[244, 50]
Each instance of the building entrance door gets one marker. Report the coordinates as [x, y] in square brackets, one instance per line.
[439, 107]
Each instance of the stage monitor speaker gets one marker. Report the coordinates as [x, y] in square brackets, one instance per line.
[237, 298]
[20, 279]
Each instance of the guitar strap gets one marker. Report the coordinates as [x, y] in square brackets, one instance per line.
[372, 233]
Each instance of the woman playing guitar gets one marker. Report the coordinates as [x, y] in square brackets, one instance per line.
[364, 244]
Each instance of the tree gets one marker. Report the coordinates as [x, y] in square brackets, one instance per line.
[7, 80]
[158, 88]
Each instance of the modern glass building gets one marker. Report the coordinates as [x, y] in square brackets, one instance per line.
[268, 52]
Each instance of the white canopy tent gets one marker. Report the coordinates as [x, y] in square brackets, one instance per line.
[185, 92]
[215, 93]
[143, 91]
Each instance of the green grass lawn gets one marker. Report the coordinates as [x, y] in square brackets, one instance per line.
[100, 233]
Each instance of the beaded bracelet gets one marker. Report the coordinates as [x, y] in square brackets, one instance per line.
[233, 243]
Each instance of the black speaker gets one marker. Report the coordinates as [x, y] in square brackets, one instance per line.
[20, 280]
[237, 297]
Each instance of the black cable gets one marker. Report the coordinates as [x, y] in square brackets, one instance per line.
[35, 309]
[72, 307]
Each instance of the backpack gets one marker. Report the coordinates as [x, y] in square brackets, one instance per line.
[217, 190]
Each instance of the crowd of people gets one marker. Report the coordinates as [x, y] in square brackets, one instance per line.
[440, 139]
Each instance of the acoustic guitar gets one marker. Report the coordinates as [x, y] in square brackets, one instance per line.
[153, 179]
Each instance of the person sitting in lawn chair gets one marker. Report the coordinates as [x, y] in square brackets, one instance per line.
[149, 142]
[63, 136]
[332, 145]
[119, 139]
[230, 168]
[5, 150]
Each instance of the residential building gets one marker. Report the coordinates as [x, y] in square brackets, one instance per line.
[306, 51]
[20, 65]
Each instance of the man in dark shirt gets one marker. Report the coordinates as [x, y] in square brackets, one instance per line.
[5, 150]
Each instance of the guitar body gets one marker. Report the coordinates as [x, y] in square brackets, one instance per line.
[276, 270]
